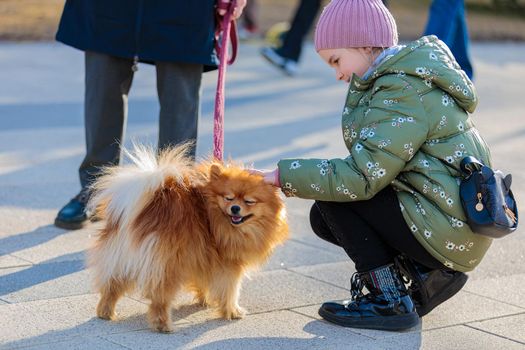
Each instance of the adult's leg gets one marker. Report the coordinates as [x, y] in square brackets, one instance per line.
[459, 40]
[301, 24]
[446, 20]
[179, 91]
[107, 83]
[441, 19]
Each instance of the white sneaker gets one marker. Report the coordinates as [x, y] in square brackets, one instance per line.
[288, 66]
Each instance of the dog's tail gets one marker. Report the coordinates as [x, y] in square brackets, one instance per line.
[122, 192]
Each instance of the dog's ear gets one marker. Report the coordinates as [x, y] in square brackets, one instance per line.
[215, 172]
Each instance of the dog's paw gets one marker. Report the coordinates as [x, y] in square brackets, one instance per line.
[160, 322]
[233, 313]
[200, 300]
[106, 313]
[163, 327]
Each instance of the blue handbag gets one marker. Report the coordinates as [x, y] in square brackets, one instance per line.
[486, 197]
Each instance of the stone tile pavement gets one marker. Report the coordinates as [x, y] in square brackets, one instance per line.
[45, 297]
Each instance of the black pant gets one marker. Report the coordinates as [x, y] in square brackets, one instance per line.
[302, 22]
[372, 232]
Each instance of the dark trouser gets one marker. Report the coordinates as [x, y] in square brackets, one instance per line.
[107, 84]
[301, 24]
[372, 232]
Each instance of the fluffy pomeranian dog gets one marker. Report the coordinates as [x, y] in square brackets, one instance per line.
[166, 225]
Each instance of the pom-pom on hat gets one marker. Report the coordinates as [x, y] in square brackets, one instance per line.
[355, 23]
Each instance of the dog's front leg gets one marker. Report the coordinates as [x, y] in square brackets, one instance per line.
[225, 290]
[110, 294]
[159, 313]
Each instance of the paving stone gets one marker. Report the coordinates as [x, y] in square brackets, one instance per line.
[506, 256]
[295, 253]
[466, 307]
[266, 291]
[338, 273]
[21, 220]
[8, 260]
[80, 343]
[44, 281]
[511, 327]
[458, 337]
[275, 330]
[46, 321]
[60, 151]
[279, 289]
[47, 244]
[503, 289]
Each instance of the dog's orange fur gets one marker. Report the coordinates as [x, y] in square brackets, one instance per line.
[180, 234]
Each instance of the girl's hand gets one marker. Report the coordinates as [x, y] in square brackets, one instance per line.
[270, 176]
[237, 11]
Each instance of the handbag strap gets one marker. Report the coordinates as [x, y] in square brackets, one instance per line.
[226, 29]
[470, 164]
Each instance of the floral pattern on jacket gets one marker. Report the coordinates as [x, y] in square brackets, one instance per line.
[407, 126]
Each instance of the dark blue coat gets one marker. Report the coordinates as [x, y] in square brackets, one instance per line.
[152, 30]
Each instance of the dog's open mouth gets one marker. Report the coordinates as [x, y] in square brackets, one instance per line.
[236, 220]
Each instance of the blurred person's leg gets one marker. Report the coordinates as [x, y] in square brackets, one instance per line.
[302, 22]
[446, 20]
[179, 91]
[287, 55]
[107, 83]
[249, 24]
[459, 44]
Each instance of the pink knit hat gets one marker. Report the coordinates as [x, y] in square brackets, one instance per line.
[355, 23]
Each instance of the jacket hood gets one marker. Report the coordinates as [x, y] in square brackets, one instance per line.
[430, 59]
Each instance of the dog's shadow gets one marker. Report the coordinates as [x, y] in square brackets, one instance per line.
[133, 329]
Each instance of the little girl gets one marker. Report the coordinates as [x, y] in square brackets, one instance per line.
[393, 203]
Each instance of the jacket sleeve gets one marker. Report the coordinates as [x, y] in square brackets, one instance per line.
[392, 129]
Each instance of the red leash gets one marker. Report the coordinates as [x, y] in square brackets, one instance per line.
[226, 29]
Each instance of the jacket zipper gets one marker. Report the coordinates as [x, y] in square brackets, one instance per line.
[138, 26]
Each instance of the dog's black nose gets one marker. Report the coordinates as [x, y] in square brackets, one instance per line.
[235, 209]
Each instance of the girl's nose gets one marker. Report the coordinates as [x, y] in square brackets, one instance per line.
[339, 75]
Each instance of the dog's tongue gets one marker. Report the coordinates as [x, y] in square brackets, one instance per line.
[236, 219]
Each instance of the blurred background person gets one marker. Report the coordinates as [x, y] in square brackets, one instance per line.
[446, 20]
[248, 23]
[286, 54]
[286, 57]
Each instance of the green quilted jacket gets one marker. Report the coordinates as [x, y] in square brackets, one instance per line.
[406, 125]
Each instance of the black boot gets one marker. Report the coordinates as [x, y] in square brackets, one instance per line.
[429, 288]
[387, 307]
[73, 215]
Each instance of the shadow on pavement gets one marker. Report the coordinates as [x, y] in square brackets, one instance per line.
[323, 335]
[21, 241]
[132, 329]
[40, 273]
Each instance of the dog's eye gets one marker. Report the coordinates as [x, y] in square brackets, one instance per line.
[249, 202]
[228, 199]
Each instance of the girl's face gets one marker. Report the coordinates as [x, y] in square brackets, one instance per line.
[347, 62]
